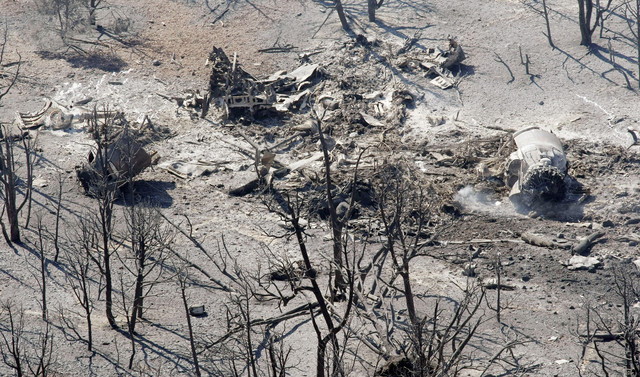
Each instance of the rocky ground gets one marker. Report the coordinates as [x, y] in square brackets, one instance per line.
[455, 140]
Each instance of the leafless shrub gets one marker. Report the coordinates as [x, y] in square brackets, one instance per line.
[433, 344]
[585, 14]
[7, 79]
[24, 352]
[104, 191]
[8, 164]
[182, 281]
[616, 337]
[144, 252]
[70, 16]
[78, 259]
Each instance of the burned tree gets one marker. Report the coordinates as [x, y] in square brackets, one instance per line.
[143, 259]
[8, 164]
[71, 16]
[585, 13]
[632, 13]
[15, 340]
[112, 164]
[9, 168]
[615, 334]
[182, 281]
[372, 5]
[431, 344]
[78, 258]
[342, 16]
[7, 80]
[101, 186]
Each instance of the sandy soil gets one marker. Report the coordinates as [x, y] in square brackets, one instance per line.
[163, 53]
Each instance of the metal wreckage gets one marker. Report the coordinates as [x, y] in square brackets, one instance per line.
[108, 166]
[231, 88]
[117, 158]
[537, 171]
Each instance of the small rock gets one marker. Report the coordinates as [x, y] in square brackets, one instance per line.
[562, 361]
[40, 182]
[469, 270]
[608, 224]
[156, 63]
[197, 311]
[637, 263]
[578, 262]
[342, 209]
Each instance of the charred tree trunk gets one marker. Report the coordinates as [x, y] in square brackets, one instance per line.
[137, 296]
[194, 353]
[106, 217]
[585, 13]
[585, 9]
[638, 37]
[546, 19]
[339, 283]
[341, 15]
[371, 8]
[8, 178]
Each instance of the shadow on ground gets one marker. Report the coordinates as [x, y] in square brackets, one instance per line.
[107, 62]
[150, 191]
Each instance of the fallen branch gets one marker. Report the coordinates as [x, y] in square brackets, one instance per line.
[481, 240]
[173, 171]
[585, 244]
[272, 50]
[501, 61]
[535, 240]
[300, 310]
[605, 336]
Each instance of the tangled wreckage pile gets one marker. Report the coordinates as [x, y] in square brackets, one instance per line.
[536, 172]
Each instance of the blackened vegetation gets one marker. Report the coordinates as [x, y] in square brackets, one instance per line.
[362, 192]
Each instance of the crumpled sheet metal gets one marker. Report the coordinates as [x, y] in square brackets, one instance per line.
[538, 168]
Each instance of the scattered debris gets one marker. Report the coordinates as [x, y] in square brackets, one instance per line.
[438, 63]
[492, 283]
[290, 271]
[537, 171]
[396, 366]
[579, 262]
[233, 89]
[51, 115]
